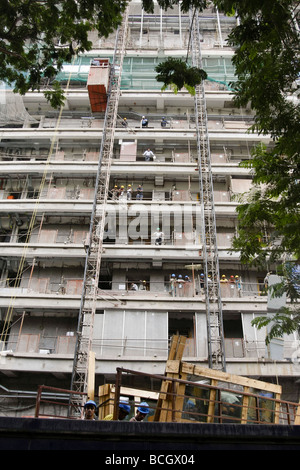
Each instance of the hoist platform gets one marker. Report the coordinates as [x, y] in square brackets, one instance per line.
[97, 84]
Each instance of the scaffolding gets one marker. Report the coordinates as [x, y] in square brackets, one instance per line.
[79, 381]
[216, 349]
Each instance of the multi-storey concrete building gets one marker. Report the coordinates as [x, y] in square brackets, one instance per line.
[49, 163]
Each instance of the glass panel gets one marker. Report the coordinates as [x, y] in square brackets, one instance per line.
[196, 402]
[261, 409]
[230, 403]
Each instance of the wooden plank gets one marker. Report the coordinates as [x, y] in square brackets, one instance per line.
[277, 409]
[106, 400]
[167, 402]
[91, 376]
[180, 392]
[127, 391]
[212, 403]
[230, 378]
[173, 348]
[180, 347]
[173, 367]
[163, 405]
[245, 406]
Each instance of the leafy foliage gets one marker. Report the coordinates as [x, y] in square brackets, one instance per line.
[287, 319]
[185, 5]
[36, 38]
[269, 219]
[178, 74]
[282, 322]
[267, 67]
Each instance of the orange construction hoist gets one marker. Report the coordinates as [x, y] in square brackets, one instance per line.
[97, 84]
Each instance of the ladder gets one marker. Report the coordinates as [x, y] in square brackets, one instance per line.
[215, 335]
[79, 381]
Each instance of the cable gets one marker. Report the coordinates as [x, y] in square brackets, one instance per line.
[9, 312]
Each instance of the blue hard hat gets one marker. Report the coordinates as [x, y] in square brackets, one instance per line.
[143, 408]
[90, 402]
[124, 407]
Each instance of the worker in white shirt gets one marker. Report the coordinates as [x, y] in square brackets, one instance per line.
[158, 236]
[148, 154]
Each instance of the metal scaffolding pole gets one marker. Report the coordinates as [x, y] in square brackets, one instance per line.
[216, 351]
[95, 246]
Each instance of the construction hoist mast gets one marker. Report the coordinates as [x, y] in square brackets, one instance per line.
[215, 335]
[94, 248]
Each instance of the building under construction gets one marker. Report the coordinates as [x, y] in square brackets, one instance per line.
[115, 233]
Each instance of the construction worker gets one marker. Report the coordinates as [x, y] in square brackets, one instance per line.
[124, 410]
[133, 286]
[139, 192]
[144, 121]
[159, 236]
[90, 408]
[180, 284]
[173, 281]
[115, 192]
[201, 281]
[124, 122]
[238, 284]
[148, 154]
[224, 286]
[129, 192]
[143, 285]
[232, 286]
[141, 413]
[122, 192]
[163, 122]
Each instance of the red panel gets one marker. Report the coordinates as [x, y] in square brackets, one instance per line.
[97, 85]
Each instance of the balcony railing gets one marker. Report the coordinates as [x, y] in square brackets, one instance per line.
[37, 344]
[133, 288]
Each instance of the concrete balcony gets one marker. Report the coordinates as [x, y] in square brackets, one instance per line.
[92, 136]
[84, 207]
[55, 297]
[188, 253]
[122, 168]
[29, 354]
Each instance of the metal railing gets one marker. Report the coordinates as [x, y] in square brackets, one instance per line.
[211, 403]
[72, 286]
[59, 401]
[197, 403]
[64, 345]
